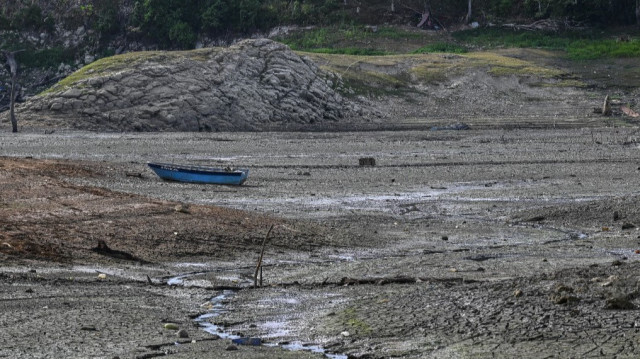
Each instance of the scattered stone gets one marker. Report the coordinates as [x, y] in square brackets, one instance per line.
[345, 334]
[616, 216]
[445, 238]
[102, 276]
[617, 263]
[517, 293]
[231, 347]
[182, 333]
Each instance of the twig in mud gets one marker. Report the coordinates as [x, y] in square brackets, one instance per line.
[259, 264]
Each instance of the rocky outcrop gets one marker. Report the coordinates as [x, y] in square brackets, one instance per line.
[254, 85]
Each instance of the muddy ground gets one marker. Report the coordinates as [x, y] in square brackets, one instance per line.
[473, 243]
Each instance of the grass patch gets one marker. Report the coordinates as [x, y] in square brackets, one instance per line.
[354, 51]
[353, 323]
[441, 47]
[341, 40]
[127, 62]
[599, 49]
[579, 45]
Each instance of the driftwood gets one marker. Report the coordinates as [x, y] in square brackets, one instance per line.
[540, 25]
[546, 25]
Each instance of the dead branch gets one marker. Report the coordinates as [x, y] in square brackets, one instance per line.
[259, 264]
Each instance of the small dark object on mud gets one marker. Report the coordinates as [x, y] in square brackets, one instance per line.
[616, 263]
[616, 216]
[536, 219]
[103, 249]
[445, 238]
[231, 347]
[182, 333]
[247, 341]
[619, 303]
[454, 127]
[564, 299]
[627, 225]
[367, 161]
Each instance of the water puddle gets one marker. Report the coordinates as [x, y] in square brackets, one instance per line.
[217, 306]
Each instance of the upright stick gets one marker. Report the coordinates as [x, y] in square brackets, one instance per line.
[259, 264]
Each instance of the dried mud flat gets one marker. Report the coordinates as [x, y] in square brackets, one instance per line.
[473, 243]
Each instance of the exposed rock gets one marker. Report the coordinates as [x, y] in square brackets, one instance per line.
[254, 85]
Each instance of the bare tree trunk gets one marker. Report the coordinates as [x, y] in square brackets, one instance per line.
[638, 12]
[469, 12]
[12, 101]
[12, 65]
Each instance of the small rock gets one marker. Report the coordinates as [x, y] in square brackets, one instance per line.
[564, 299]
[445, 238]
[517, 293]
[182, 333]
[367, 161]
[231, 347]
[102, 276]
[182, 208]
[171, 326]
[619, 303]
[345, 334]
[627, 225]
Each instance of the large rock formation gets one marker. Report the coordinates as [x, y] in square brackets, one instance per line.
[254, 85]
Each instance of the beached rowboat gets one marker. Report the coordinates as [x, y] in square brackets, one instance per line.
[199, 174]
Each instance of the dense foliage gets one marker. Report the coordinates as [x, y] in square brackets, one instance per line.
[178, 23]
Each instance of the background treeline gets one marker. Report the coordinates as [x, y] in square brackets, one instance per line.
[179, 23]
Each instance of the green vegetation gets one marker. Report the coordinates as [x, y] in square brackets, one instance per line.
[341, 39]
[441, 47]
[354, 51]
[127, 61]
[579, 45]
[353, 324]
[597, 49]
[45, 58]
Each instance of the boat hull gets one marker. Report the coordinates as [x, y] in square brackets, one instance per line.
[199, 174]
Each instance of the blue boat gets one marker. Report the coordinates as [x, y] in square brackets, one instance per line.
[199, 174]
